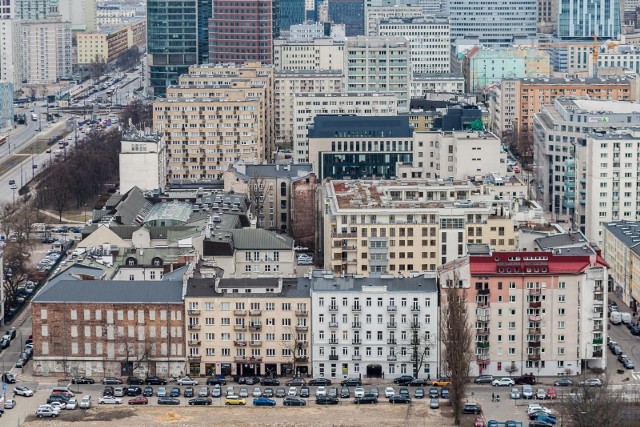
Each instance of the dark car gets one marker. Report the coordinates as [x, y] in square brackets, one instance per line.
[138, 401]
[299, 382]
[133, 390]
[216, 381]
[111, 380]
[8, 378]
[293, 401]
[563, 382]
[528, 379]
[268, 392]
[270, 381]
[471, 408]
[200, 401]
[403, 380]
[304, 392]
[538, 423]
[634, 329]
[175, 392]
[444, 393]
[419, 394]
[57, 398]
[154, 380]
[108, 391]
[366, 399]
[239, 379]
[484, 379]
[82, 380]
[147, 392]
[351, 382]
[252, 380]
[320, 381]
[536, 414]
[433, 393]
[281, 392]
[135, 381]
[263, 401]
[188, 392]
[168, 401]
[417, 382]
[399, 399]
[345, 393]
[326, 400]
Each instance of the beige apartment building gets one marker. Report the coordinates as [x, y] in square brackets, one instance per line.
[539, 312]
[620, 250]
[291, 82]
[248, 327]
[318, 54]
[110, 43]
[401, 227]
[216, 116]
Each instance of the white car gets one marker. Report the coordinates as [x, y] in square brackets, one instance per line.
[388, 392]
[593, 382]
[503, 382]
[321, 391]
[72, 404]
[59, 405]
[23, 391]
[293, 391]
[358, 392]
[52, 408]
[46, 412]
[534, 407]
[257, 392]
[187, 381]
[9, 404]
[109, 400]
[305, 260]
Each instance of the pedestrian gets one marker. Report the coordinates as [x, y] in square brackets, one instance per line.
[493, 397]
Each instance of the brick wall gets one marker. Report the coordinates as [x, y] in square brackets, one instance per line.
[304, 211]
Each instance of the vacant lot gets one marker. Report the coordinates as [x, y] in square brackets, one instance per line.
[343, 415]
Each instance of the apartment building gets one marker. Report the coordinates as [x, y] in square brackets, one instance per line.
[557, 128]
[620, 251]
[216, 116]
[379, 64]
[248, 327]
[374, 14]
[398, 227]
[317, 54]
[291, 82]
[374, 326]
[607, 188]
[540, 312]
[45, 53]
[429, 41]
[143, 162]
[424, 83]
[315, 30]
[86, 326]
[308, 106]
[518, 100]
[109, 43]
[10, 62]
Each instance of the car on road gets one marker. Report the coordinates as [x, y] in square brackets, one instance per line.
[110, 400]
[399, 399]
[529, 379]
[187, 381]
[111, 380]
[403, 380]
[318, 382]
[351, 382]
[592, 382]
[293, 401]
[471, 408]
[484, 379]
[503, 382]
[168, 401]
[389, 391]
[563, 382]
[154, 380]
[263, 401]
[366, 399]
[441, 382]
[140, 400]
[82, 380]
[200, 401]
[234, 400]
[515, 393]
[23, 391]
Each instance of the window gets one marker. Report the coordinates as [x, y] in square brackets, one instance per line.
[512, 298]
[561, 311]
[561, 324]
[560, 350]
[561, 298]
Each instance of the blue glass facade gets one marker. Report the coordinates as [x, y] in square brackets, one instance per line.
[291, 12]
[350, 13]
[586, 18]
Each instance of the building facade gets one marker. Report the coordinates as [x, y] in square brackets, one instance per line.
[304, 55]
[143, 162]
[620, 251]
[46, 51]
[375, 327]
[347, 12]
[584, 19]
[422, 84]
[374, 14]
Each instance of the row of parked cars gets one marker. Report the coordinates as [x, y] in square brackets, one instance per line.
[616, 349]
[528, 393]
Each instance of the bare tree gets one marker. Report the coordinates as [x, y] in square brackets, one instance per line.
[420, 345]
[97, 67]
[16, 269]
[511, 369]
[297, 347]
[137, 114]
[31, 92]
[257, 196]
[593, 406]
[42, 90]
[456, 339]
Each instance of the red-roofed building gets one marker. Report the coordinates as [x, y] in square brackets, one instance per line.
[534, 312]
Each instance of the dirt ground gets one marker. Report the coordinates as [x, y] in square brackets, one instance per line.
[343, 415]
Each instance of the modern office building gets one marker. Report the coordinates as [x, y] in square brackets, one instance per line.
[251, 41]
[495, 23]
[547, 16]
[379, 64]
[292, 12]
[588, 18]
[309, 31]
[308, 106]
[347, 12]
[429, 41]
[35, 10]
[621, 251]
[374, 14]
[374, 326]
[316, 54]
[540, 312]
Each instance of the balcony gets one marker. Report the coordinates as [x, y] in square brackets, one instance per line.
[597, 315]
[302, 359]
[484, 292]
[333, 308]
[535, 318]
[535, 291]
[240, 343]
[392, 325]
[255, 312]
[333, 340]
[356, 308]
[598, 299]
[356, 325]
[240, 312]
[483, 303]
[535, 304]
[333, 324]
[483, 332]
[239, 358]
[256, 343]
[483, 318]
[392, 308]
[597, 327]
[535, 330]
[598, 289]
[597, 353]
[597, 341]
[415, 325]
[415, 308]
[194, 312]
[256, 327]
[392, 358]
[195, 358]
[482, 358]
[194, 342]
[239, 327]
[534, 356]
[356, 341]
[302, 313]
[302, 328]
[194, 326]
[534, 344]
[482, 344]
[333, 357]
[392, 341]
[356, 357]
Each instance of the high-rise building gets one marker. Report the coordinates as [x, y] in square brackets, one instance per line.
[373, 15]
[292, 12]
[348, 12]
[547, 16]
[251, 41]
[7, 9]
[50, 39]
[205, 12]
[316, 54]
[35, 10]
[81, 14]
[589, 18]
[496, 23]
[10, 63]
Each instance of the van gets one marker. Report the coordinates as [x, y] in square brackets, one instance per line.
[66, 391]
[615, 318]
[625, 317]
[85, 403]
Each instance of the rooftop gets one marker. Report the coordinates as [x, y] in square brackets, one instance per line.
[173, 211]
[536, 263]
[273, 170]
[346, 126]
[595, 106]
[628, 232]
[555, 241]
[283, 288]
[321, 282]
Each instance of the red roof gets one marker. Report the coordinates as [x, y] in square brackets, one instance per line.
[535, 263]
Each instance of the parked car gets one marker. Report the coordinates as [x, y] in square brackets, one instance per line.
[111, 380]
[168, 401]
[515, 393]
[200, 401]
[318, 382]
[188, 392]
[563, 382]
[358, 392]
[72, 404]
[203, 392]
[281, 392]
[293, 401]
[187, 381]
[433, 393]
[374, 391]
[366, 399]
[471, 408]
[419, 393]
[270, 381]
[216, 380]
[135, 381]
[351, 382]
[235, 400]
[541, 394]
[389, 391]
[441, 382]
[147, 392]
[399, 399]
[551, 393]
[592, 382]
[162, 392]
[320, 391]
[175, 392]
[304, 391]
[434, 404]
[9, 404]
[216, 391]
[628, 364]
[484, 379]
[82, 380]
[118, 391]
[404, 379]
[326, 400]
[529, 379]
[345, 393]
[155, 380]
[23, 391]
[46, 412]
[140, 400]
[263, 401]
[527, 392]
[503, 382]
[110, 400]
[85, 402]
[444, 392]
[133, 390]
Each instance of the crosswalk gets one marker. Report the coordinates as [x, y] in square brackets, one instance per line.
[635, 375]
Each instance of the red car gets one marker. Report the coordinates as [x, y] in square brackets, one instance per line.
[551, 393]
[479, 422]
[140, 400]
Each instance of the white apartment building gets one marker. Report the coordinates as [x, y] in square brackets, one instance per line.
[382, 327]
[81, 13]
[306, 106]
[143, 162]
[540, 312]
[429, 40]
[318, 54]
[379, 64]
[309, 31]
[424, 83]
[45, 51]
[557, 128]
[291, 82]
[607, 179]
[374, 14]
[10, 48]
